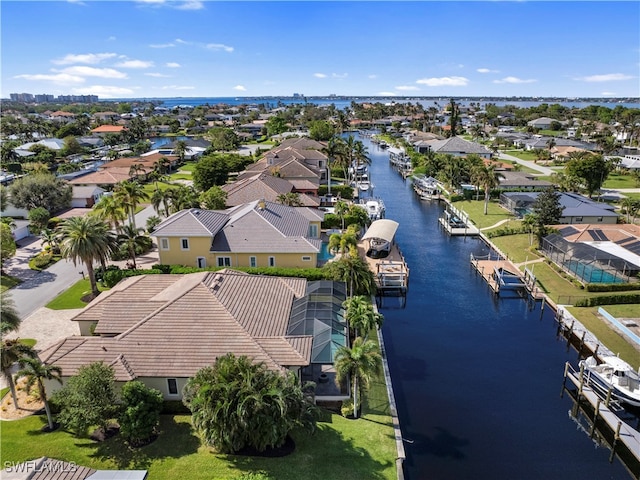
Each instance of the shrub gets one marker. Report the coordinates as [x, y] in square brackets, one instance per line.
[41, 261]
[347, 408]
[612, 287]
[608, 300]
[112, 277]
[140, 414]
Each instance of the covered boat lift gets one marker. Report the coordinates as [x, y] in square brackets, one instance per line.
[391, 271]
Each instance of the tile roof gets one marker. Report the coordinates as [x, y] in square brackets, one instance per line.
[203, 316]
[193, 222]
[458, 145]
[102, 177]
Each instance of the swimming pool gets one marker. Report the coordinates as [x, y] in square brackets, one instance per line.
[325, 255]
[591, 274]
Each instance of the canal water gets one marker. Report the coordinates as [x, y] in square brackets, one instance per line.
[477, 378]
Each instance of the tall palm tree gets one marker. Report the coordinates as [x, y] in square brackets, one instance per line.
[111, 210]
[132, 238]
[87, 239]
[130, 194]
[291, 199]
[361, 316]
[180, 150]
[13, 351]
[341, 209]
[9, 317]
[35, 372]
[358, 363]
[355, 272]
[333, 150]
[489, 179]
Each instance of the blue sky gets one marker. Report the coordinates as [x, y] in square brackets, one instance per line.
[161, 48]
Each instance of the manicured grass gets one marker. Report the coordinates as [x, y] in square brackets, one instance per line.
[340, 448]
[523, 168]
[72, 297]
[617, 180]
[475, 209]
[522, 154]
[3, 392]
[188, 167]
[516, 247]
[7, 282]
[29, 342]
[180, 176]
[605, 334]
[623, 311]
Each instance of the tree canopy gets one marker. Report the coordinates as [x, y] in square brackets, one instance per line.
[592, 170]
[140, 415]
[236, 404]
[223, 139]
[88, 399]
[547, 210]
[41, 190]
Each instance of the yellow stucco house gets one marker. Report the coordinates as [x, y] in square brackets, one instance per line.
[256, 234]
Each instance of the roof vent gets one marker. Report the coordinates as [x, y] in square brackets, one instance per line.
[262, 204]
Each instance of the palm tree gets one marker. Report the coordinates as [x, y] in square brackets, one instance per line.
[341, 210]
[358, 363]
[50, 238]
[11, 352]
[132, 238]
[130, 194]
[180, 150]
[111, 210]
[361, 315]
[10, 319]
[35, 372]
[489, 178]
[333, 150]
[529, 222]
[355, 272]
[291, 199]
[87, 239]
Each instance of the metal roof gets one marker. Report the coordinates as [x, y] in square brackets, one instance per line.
[384, 229]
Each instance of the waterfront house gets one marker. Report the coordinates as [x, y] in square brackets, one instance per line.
[459, 147]
[577, 209]
[103, 130]
[256, 234]
[542, 123]
[161, 329]
[522, 181]
[86, 196]
[262, 186]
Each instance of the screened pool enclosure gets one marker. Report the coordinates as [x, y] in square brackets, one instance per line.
[592, 262]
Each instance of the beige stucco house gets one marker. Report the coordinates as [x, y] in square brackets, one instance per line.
[256, 234]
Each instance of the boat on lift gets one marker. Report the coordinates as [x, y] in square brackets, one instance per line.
[613, 373]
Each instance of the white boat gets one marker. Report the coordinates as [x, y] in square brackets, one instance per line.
[613, 374]
[375, 208]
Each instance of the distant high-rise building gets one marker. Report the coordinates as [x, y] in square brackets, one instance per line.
[44, 98]
[298, 95]
[21, 97]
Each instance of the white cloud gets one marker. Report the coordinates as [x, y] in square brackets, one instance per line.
[85, 71]
[135, 64]
[157, 75]
[487, 70]
[88, 58]
[240, 88]
[219, 46]
[515, 80]
[608, 77]
[320, 75]
[77, 2]
[104, 91]
[339, 75]
[183, 42]
[162, 45]
[183, 5]
[407, 88]
[372, 76]
[58, 79]
[190, 5]
[173, 65]
[444, 81]
[387, 94]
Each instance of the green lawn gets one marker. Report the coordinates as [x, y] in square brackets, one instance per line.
[341, 448]
[29, 342]
[608, 336]
[623, 311]
[475, 209]
[188, 167]
[72, 297]
[617, 180]
[522, 154]
[515, 246]
[7, 282]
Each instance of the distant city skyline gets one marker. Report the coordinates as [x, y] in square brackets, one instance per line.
[191, 48]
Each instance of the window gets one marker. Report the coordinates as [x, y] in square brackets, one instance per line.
[224, 261]
[253, 262]
[313, 230]
[172, 384]
[202, 262]
[272, 261]
[599, 219]
[164, 244]
[578, 219]
[306, 259]
[184, 243]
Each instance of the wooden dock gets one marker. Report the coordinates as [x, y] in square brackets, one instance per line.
[391, 273]
[603, 409]
[487, 269]
[457, 222]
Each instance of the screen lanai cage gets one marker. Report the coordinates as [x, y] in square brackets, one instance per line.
[600, 262]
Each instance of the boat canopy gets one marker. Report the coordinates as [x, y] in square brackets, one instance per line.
[382, 229]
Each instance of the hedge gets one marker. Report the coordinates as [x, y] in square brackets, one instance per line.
[344, 191]
[612, 287]
[608, 300]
